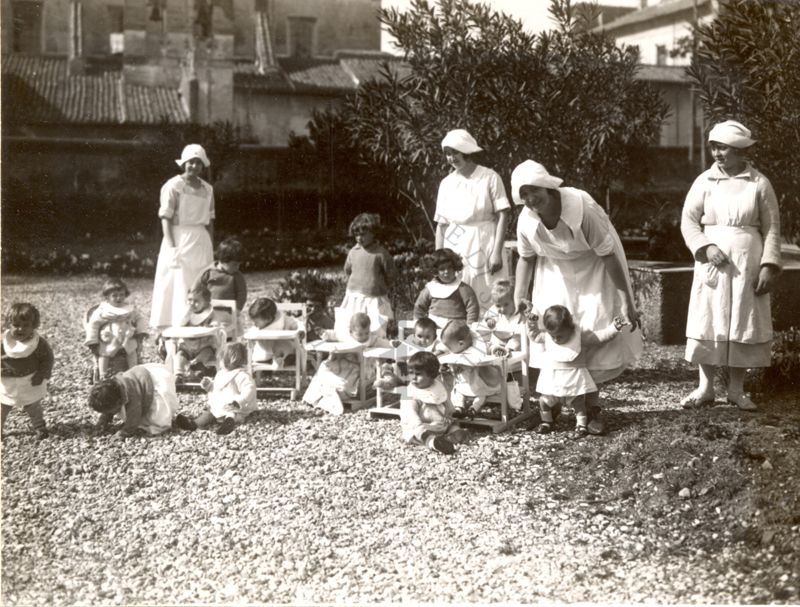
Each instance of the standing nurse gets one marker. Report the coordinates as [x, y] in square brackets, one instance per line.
[471, 215]
[187, 221]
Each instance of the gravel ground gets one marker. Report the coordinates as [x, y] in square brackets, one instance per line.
[297, 506]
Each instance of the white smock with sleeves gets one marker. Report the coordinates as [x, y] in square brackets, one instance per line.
[190, 210]
[570, 272]
[469, 207]
[728, 324]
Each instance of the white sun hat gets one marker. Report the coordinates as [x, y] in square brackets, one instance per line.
[534, 174]
[193, 150]
[462, 141]
[731, 133]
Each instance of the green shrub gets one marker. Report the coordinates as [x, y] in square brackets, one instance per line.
[785, 369]
[301, 285]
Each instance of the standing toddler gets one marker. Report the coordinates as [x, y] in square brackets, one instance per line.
[27, 364]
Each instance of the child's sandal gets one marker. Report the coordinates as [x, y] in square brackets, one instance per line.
[579, 432]
[544, 428]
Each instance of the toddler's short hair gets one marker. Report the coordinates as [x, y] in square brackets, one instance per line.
[502, 288]
[424, 362]
[443, 256]
[200, 290]
[105, 396]
[228, 250]
[557, 317]
[359, 320]
[112, 284]
[23, 311]
[426, 323]
[454, 332]
[263, 307]
[234, 356]
[365, 221]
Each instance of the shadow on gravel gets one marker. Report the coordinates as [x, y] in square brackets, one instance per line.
[278, 416]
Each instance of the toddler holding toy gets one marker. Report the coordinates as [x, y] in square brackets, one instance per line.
[503, 320]
[143, 398]
[370, 270]
[338, 376]
[265, 315]
[426, 414]
[563, 377]
[115, 326]
[446, 297]
[224, 280]
[472, 384]
[231, 394]
[423, 339]
[27, 364]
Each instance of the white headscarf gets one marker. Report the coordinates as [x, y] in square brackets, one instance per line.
[731, 133]
[193, 150]
[531, 173]
[462, 141]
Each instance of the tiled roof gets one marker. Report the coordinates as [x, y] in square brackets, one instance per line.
[339, 74]
[41, 90]
[650, 13]
[662, 73]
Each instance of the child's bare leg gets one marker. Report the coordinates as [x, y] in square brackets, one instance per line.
[581, 417]
[477, 404]
[36, 415]
[547, 404]
[103, 364]
[4, 411]
[181, 363]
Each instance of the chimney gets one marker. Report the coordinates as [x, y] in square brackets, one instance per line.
[265, 53]
[76, 61]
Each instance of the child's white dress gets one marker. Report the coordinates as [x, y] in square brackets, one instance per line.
[563, 372]
[232, 385]
[113, 328]
[20, 361]
[426, 410]
[501, 330]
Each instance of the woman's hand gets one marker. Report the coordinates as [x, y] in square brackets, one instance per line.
[629, 311]
[715, 256]
[766, 279]
[495, 262]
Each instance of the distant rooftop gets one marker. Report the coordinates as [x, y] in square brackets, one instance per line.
[654, 13]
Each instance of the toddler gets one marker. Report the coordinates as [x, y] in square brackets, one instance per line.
[231, 394]
[115, 326]
[422, 339]
[27, 364]
[338, 377]
[446, 297]
[426, 414]
[370, 270]
[224, 280]
[503, 320]
[199, 353]
[563, 376]
[143, 398]
[472, 384]
[265, 315]
[317, 317]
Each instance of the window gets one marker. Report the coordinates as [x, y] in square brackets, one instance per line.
[27, 27]
[661, 54]
[301, 36]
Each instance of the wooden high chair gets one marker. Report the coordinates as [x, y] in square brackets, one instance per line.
[387, 401]
[298, 338]
[172, 335]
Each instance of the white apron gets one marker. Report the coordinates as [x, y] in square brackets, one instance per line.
[195, 253]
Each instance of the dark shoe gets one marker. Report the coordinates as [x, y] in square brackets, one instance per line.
[42, 434]
[460, 413]
[579, 432]
[184, 423]
[227, 426]
[556, 412]
[544, 428]
[442, 445]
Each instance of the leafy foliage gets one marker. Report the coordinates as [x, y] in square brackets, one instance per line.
[748, 69]
[566, 98]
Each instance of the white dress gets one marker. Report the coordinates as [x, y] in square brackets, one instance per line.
[570, 272]
[191, 210]
[565, 373]
[469, 207]
[728, 324]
